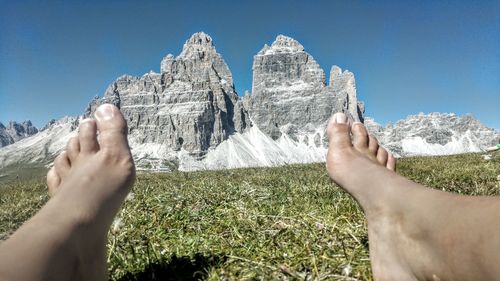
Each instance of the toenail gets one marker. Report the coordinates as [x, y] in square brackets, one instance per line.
[104, 112]
[340, 118]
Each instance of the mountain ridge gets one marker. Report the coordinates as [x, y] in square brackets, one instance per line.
[189, 115]
[15, 131]
[434, 134]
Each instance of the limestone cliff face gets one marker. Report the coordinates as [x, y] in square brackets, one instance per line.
[190, 108]
[191, 105]
[5, 138]
[290, 94]
[343, 82]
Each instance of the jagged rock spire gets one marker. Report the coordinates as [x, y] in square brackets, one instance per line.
[15, 131]
[198, 45]
[191, 105]
[200, 38]
[197, 60]
[287, 43]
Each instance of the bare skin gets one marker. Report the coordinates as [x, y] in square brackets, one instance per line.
[66, 239]
[415, 233]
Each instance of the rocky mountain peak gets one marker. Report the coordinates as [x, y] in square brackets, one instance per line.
[198, 60]
[200, 38]
[190, 106]
[21, 130]
[198, 46]
[341, 77]
[289, 92]
[344, 81]
[15, 131]
[282, 44]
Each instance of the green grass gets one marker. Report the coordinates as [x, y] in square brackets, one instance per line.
[21, 172]
[285, 223]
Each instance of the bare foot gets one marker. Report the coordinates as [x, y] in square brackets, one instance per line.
[415, 233]
[88, 183]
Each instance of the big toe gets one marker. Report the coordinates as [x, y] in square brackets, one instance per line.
[112, 128]
[338, 131]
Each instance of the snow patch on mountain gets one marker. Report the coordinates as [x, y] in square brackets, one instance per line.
[256, 149]
[418, 146]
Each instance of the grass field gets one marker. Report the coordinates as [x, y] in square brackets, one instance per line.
[285, 223]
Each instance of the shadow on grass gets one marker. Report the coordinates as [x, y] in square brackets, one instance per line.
[177, 268]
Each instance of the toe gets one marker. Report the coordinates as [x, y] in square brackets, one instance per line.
[62, 164]
[112, 128]
[391, 163]
[338, 131]
[87, 136]
[359, 136]
[53, 181]
[373, 145]
[73, 148]
[382, 156]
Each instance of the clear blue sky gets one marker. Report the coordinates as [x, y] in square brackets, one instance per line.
[408, 56]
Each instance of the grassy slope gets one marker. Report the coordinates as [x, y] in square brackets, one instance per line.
[22, 171]
[286, 223]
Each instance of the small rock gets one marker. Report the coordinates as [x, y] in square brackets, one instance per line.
[320, 226]
[130, 196]
[346, 271]
[117, 225]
